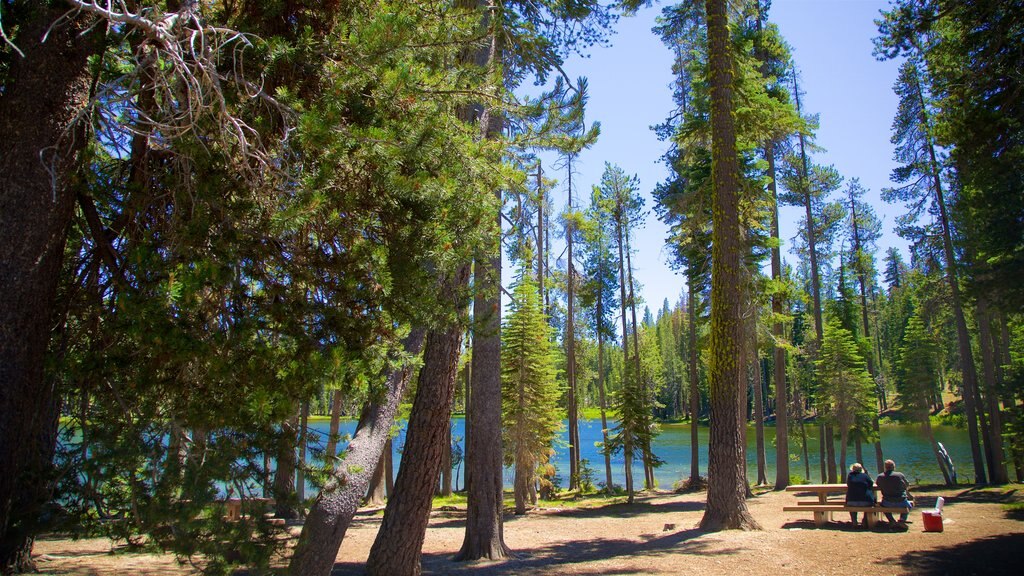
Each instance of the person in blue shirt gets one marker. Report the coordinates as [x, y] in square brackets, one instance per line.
[894, 490]
[859, 491]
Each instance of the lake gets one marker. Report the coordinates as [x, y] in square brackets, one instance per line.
[905, 444]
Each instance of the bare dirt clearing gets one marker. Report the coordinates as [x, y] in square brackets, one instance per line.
[657, 535]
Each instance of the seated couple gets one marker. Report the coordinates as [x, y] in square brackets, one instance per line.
[859, 490]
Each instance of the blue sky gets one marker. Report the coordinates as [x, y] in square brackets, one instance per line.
[630, 91]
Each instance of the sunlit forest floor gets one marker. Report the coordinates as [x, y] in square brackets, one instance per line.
[983, 534]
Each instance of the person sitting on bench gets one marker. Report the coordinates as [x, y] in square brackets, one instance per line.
[894, 491]
[859, 491]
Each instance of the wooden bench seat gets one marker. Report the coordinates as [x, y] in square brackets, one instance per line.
[823, 512]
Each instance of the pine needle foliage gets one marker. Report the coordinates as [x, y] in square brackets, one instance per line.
[530, 413]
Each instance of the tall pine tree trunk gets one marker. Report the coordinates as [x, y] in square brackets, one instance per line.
[781, 397]
[300, 483]
[862, 281]
[41, 97]
[446, 465]
[284, 473]
[827, 449]
[396, 550]
[727, 485]
[627, 448]
[484, 537]
[694, 390]
[331, 450]
[376, 495]
[570, 349]
[333, 509]
[998, 467]
[645, 394]
[762, 461]
[970, 376]
[604, 397]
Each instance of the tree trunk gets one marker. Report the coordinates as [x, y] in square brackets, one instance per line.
[970, 377]
[822, 440]
[446, 465]
[862, 281]
[762, 464]
[997, 469]
[627, 448]
[300, 483]
[484, 537]
[727, 485]
[570, 349]
[41, 97]
[830, 453]
[523, 480]
[376, 495]
[333, 510]
[331, 451]
[694, 391]
[396, 550]
[781, 396]
[604, 399]
[646, 448]
[284, 474]
[389, 468]
[844, 439]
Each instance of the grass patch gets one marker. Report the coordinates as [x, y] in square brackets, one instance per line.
[1014, 511]
[574, 499]
[457, 499]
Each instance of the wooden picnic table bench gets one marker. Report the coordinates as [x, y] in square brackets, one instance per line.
[823, 507]
[233, 507]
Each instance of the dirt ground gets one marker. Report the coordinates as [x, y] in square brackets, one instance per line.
[658, 535]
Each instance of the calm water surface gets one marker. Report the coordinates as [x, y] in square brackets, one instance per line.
[905, 444]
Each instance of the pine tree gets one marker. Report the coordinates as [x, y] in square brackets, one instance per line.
[917, 371]
[530, 413]
[727, 486]
[845, 387]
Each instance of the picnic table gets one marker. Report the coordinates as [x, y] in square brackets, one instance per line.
[823, 507]
[233, 506]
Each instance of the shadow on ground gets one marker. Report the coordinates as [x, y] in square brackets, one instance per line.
[552, 558]
[846, 526]
[993, 555]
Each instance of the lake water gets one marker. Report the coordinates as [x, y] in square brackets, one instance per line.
[905, 444]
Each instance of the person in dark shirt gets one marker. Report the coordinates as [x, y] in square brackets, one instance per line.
[894, 490]
[859, 491]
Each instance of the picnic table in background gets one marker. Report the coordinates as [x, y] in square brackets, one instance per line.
[823, 507]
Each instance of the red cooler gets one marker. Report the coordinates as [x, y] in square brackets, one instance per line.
[932, 520]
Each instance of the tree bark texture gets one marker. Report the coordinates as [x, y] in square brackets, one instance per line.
[762, 460]
[446, 465]
[376, 495]
[627, 449]
[727, 486]
[484, 537]
[332, 510]
[997, 470]
[781, 397]
[970, 376]
[862, 281]
[694, 391]
[396, 550]
[43, 95]
[332, 435]
[284, 474]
